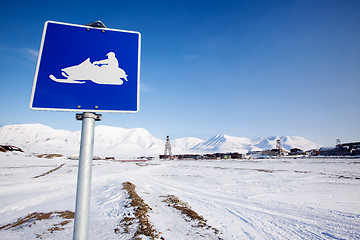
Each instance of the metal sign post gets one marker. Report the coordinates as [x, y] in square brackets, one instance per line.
[82, 207]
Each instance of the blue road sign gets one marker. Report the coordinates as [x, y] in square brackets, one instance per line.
[82, 68]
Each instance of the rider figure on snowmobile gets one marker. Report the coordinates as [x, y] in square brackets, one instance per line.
[110, 62]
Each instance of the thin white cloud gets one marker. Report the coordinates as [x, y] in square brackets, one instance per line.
[31, 54]
[25, 55]
[146, 88]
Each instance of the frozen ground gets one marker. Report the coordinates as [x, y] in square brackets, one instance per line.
[238, 199]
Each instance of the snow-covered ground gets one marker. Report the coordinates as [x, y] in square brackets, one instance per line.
[242, 199]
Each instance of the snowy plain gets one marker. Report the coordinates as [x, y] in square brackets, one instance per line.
[285, 198]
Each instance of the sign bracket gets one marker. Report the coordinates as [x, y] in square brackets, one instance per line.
[97, 24]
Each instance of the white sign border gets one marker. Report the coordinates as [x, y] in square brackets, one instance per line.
[80, 109]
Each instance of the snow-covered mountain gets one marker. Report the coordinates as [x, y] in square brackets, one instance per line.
[39, 138]
[186, 143]
[287, 143]
[225, 143]
[122, 142]
[117, 141]
[109, 141]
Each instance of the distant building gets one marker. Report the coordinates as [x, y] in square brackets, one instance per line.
[187, 156]
[274, 152]
[344, 149]
[333, 151]
[278, 151]
[212, 156]
[233, 155]
[253, 152]
[145, 158]
[167, 152]
[296, 151]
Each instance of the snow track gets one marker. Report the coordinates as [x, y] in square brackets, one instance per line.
[246, 218]
[258, 199]
[277, 221]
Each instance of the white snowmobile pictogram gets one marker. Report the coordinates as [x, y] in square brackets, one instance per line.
[105, 71]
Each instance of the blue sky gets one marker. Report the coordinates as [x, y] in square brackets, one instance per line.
[242, 68]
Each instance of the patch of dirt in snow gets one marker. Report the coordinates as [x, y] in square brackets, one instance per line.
[140, 218]
[349, 176]
[144, 164]
[37, 218]
[190, 215]
[49, 156]
[48, 172]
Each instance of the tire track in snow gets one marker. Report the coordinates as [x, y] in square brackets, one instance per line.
[281, 220]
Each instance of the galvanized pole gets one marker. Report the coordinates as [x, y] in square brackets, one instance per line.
[82, 208]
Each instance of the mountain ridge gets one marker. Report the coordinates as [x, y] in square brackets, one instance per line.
[135, 142]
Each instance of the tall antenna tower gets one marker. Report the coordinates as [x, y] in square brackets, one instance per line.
[278, 144]
[167, 151]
